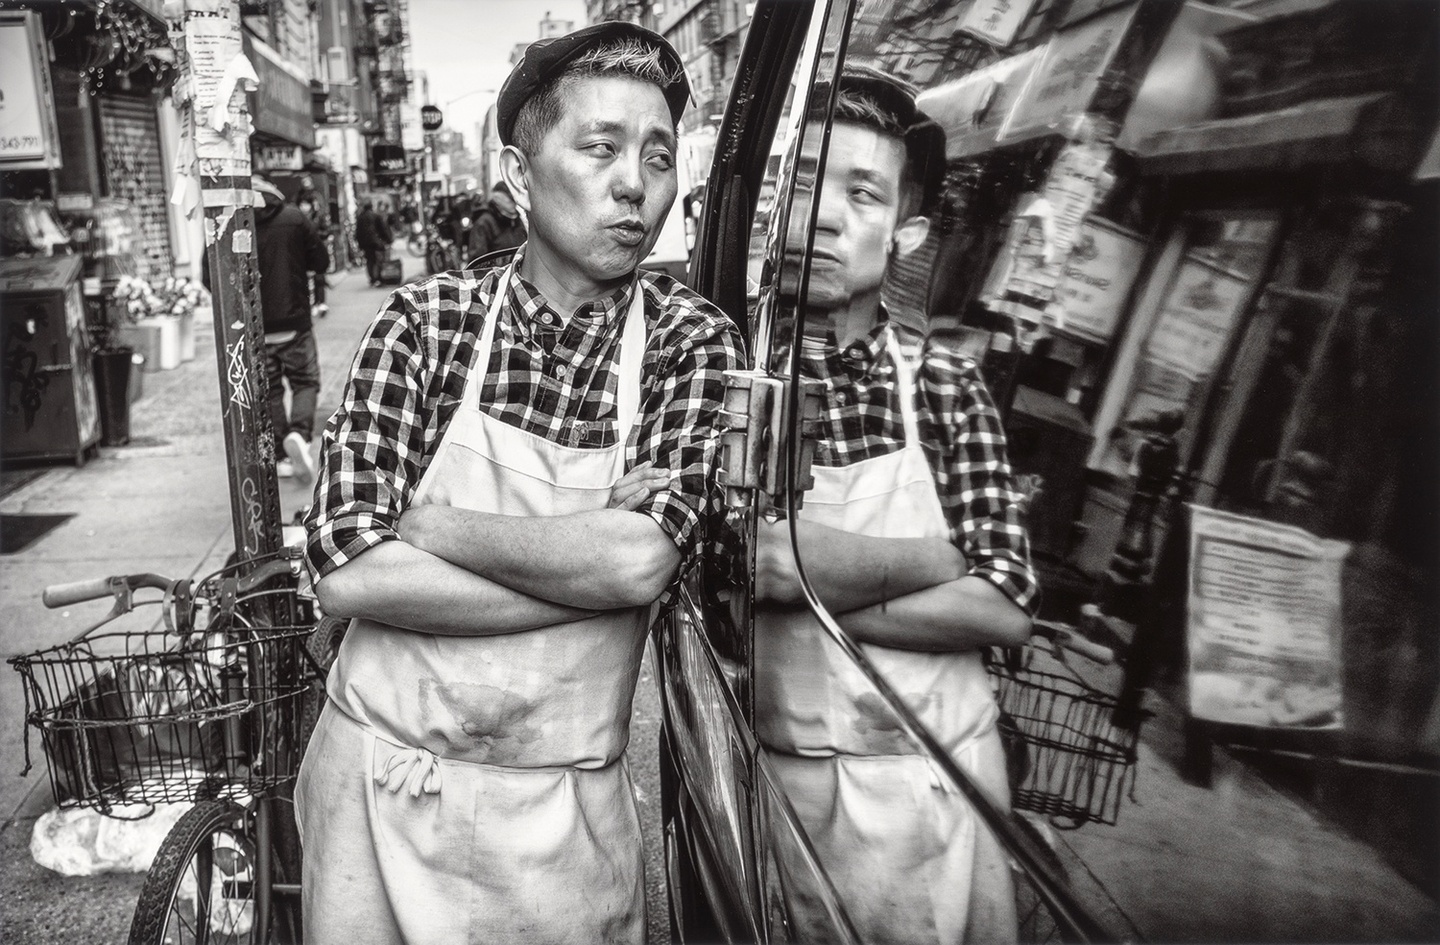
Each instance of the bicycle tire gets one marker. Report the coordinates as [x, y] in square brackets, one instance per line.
[160, 914]
[323, 645]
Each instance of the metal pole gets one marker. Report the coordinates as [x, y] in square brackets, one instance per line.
[210, 51]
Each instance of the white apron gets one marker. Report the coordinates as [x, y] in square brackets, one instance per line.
[474, 789]
[910, 859]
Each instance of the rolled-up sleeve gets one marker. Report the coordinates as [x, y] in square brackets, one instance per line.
[679, 424]
[372, 449]
[982, 500]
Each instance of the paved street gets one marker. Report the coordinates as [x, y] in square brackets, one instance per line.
[161, 504]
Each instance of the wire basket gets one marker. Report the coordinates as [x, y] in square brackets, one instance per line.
[140, 717]
[1076, 764]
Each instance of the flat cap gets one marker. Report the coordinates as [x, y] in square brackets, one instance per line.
[545, 59]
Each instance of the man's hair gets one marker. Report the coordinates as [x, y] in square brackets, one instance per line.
[623, 57]
[857, 106]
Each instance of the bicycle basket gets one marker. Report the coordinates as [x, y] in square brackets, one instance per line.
[1078, 762]
[140, 717]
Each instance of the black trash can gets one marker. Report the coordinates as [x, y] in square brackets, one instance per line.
[112, 390]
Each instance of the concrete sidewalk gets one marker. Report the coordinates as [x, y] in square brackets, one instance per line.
[159, 504]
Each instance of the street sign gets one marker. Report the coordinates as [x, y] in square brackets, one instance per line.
[431, 118]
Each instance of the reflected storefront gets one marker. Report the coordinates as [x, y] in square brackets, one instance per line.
[1198, 292]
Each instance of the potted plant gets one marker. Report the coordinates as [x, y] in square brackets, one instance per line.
[162, 318]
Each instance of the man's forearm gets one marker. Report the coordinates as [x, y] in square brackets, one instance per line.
[965, 614]
[598, 560]
[849, 571]
[401, 585]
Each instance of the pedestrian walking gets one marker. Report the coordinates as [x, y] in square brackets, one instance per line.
[289, 251]
[310, 204]
[373, 235]
[521, 464]
[497, 226]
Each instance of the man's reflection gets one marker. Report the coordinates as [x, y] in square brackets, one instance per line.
[912, 536]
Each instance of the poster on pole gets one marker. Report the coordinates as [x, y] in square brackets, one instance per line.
[1263, 623]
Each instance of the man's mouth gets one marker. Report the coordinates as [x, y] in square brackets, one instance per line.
[628, 232]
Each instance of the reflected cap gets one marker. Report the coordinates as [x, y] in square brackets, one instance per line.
[545, 60]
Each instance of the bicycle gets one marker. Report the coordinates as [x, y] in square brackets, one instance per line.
[212, 705]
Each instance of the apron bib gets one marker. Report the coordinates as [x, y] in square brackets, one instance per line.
[909, 857]
[473, 789]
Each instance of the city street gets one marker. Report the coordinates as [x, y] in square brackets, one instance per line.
[161, 504]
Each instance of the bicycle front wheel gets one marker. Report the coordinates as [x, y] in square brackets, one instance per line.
[201, 887]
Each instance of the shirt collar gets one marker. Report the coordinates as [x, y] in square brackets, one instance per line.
[600, 314]
[857, 358]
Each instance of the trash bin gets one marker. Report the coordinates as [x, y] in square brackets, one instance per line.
[112, 390]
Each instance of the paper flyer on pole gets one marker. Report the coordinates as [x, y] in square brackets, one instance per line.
[1263, 623]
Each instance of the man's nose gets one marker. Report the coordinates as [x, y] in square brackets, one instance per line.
[628, 184]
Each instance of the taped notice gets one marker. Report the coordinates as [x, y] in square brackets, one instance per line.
[1263, 623]
[242, 242]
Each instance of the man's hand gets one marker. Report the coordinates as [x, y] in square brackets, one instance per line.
[777, 579]
[632, 489]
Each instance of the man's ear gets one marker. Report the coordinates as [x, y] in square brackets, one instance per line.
[909, 235]
[515, 172]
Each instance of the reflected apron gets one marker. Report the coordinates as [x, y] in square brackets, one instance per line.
[474, 789]
[910, 859]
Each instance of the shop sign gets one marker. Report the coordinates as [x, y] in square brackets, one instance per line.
[29, 136]
[994, 21]
[1064, 83]
[281, 106]
[973, 108]
[279, 157]
[1047, 225]
[1098, 275]
[1263, 623]
[1197, 317]
[390, 159]
[412, 134]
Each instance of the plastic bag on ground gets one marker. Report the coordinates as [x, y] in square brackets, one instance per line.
[85, 842]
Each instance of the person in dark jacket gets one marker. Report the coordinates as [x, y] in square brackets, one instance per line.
[289, 250]
[497, 226]
[310, 203]
[373, 235]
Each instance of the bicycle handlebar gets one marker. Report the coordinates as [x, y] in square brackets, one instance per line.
[1066, 636]
[75, 592]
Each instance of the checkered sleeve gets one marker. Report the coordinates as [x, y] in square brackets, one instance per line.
[372, 448]
[982, 501]
[678, 428]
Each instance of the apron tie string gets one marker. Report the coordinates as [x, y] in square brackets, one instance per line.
[414, 769]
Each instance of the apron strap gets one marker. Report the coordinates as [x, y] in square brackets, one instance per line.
[906, 387]
[632, 356]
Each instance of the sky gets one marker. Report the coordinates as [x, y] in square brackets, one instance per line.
[464, 45]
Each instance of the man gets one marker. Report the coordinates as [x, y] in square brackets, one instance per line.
[497, 226]
[521, 461]
[289, 251]
[912, 537]
[309, 201]
[373, 236]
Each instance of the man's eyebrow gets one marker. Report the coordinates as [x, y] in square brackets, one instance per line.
[865, 175]
[611, 127]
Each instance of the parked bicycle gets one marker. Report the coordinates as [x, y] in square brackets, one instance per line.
[211, 704]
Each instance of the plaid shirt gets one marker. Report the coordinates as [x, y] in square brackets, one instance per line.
[547, 375]
[960, 433]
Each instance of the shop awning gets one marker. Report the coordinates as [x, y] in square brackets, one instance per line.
[1312, 133]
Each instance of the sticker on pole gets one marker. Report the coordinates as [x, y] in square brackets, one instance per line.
[1263, 623]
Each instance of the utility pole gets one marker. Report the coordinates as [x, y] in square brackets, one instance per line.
[214, 177]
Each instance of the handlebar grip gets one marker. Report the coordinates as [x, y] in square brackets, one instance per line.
[62, 595]
[1085, 647]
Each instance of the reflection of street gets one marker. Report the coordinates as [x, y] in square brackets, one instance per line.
[162, 504]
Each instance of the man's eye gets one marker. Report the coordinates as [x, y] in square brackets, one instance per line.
[865, 194]
[601, 147]
[661, 161]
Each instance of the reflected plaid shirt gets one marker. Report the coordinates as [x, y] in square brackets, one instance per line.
[549, 376]
[959, 430]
